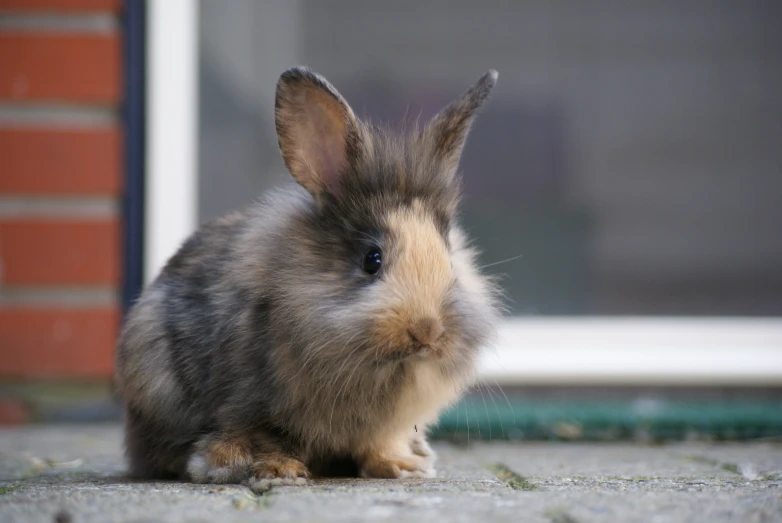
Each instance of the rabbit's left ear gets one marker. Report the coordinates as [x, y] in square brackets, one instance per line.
[317, 131]
[447, 131]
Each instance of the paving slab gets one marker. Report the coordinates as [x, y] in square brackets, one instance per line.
[76, 474]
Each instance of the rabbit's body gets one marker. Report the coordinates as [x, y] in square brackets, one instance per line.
[270, 344]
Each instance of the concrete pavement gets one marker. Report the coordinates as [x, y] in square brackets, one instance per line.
[75, 474]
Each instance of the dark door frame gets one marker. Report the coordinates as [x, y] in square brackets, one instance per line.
[133, 113]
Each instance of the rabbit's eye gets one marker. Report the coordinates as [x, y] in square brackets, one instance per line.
[373, 260]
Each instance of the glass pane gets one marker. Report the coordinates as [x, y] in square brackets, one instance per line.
[631, 157]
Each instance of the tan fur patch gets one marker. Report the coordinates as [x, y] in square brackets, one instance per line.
[229, 453]
[379, 467]
[418, 277]
[393, 460]
[421, 402]
[278, 465]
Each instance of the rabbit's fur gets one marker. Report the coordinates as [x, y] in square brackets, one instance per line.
[264, 350]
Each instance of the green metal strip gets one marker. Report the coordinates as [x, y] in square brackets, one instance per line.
[477, 419]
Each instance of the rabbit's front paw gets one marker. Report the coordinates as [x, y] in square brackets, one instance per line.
[277, 469]
[378, 466]
[420, 447]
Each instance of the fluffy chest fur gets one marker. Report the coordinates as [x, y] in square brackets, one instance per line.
[359, 411]
[429, 391]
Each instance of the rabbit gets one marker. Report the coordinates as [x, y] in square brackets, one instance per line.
[331, 320]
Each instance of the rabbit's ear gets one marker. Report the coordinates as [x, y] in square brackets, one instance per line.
[316, 129]
[448, 130]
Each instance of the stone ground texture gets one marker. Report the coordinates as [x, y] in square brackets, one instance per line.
[75, 474]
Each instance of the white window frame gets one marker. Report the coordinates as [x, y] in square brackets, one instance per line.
[540, 351]
[171, 179]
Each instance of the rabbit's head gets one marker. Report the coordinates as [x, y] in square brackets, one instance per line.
[376, 268]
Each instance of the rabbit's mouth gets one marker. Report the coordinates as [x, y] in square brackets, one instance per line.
[413, 351]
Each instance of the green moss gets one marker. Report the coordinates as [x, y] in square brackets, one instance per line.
[729, 467]
[511, 478]
[7, 489]
[249, 501]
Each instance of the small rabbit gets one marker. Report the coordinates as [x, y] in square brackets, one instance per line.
[331, 321]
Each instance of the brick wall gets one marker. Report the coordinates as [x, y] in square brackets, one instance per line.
[60, 186]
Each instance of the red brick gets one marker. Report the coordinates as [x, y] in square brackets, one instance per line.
[61, 161]
[13, 412]
[60, 252]
[57, 343]
[60, 67]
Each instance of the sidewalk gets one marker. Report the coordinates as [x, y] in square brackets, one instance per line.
[74, 474]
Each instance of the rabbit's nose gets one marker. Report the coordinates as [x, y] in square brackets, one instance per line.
[426, 330]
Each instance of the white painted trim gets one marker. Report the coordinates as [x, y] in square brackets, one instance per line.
[171, 169]
[636, 351]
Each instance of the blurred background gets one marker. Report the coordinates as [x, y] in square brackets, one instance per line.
[628, 167]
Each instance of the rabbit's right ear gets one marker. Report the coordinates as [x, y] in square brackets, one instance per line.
[317, 131]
